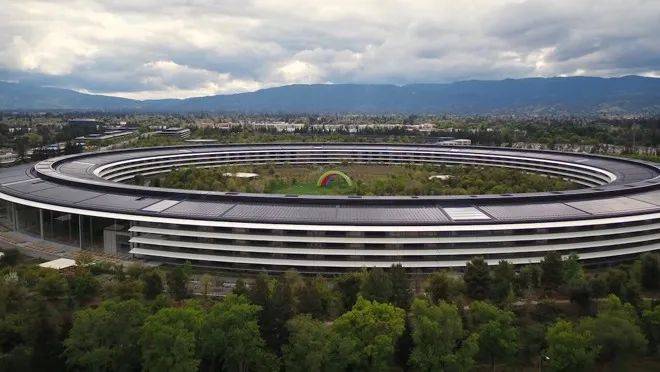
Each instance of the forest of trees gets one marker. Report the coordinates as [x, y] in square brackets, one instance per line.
[368, 180]
[554, 315]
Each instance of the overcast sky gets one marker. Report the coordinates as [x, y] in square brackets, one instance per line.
[162, 48]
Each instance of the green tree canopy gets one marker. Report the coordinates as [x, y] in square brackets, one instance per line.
[552, 270]
[441, 286]
[436, 332]
[280, 306]
[568, 348]
[365, 336]
[169, 340]
[477, 278]
[52, 284]
[573, 272]
[615, 330]
[106, 338]
[348, 285]
[650, 271]
[377, 285]
[401, 291]
[651, 321]
[309, 347]
[316, 298]
[498, 336]
[177, 282]
[83, 286]
[231, 340]
[153, 284]
[503, 278]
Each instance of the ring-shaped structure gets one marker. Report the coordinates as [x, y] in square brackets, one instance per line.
[617, 215]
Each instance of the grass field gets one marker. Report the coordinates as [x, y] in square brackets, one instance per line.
[307, 178]
[368, 179]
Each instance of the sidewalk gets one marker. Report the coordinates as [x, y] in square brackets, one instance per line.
[47, 250]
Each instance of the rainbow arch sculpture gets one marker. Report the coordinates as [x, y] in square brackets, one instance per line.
[329, 176]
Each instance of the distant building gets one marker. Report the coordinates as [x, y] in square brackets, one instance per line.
[175, 132]
[7, 156]
[84, 122]
[424, 127]
[82, 127]
[112, 134]
[455, 142]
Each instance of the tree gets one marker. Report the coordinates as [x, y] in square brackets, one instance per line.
[21, 146]
[401, 292]
[84, 286]
[31, 331]
[10, 257]
[177, 282]
[477, 278]
[443, 287]
[364, 337]
[169, 340]
[207, 281]
[622, 285]
[139, 179]
[502, 286]
[153, 284]
[651, 321]
[309, 346]
[531, 341]
[231, 339]
[598, 286]
[127, 289]
[580, 294]
[52, 284]
[552, 269]
[106, 338]
[576, 284]
[498, 337]
[615, 330]
[650, 271]
[528, 279]
[316, 298]
[241, 289]
[348, 286]
[573, 272]
[279, 308]
[72, 148]
[436, 332]
[377, 286]
[259, 293]
[569, 349]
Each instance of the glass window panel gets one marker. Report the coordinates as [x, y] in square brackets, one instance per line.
[28, 220]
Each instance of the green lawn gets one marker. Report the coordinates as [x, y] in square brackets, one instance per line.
[338, 187]
[368, 179]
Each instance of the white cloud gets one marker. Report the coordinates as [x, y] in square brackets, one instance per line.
[176, 48]
[298, 72]
[167, 79]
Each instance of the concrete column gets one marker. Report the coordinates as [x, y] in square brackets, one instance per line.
[80, 231]
[41, 222]
[15, 214]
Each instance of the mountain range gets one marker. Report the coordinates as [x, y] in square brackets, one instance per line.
[559, 95]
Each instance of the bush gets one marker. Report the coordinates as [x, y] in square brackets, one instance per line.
[10, 258]
[650, 267]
